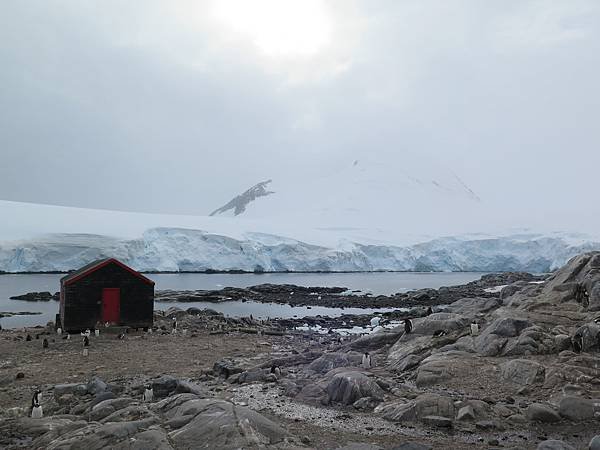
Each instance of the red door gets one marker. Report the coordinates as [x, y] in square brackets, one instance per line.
[111, 299]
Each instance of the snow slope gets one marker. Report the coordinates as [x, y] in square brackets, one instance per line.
[363, 193]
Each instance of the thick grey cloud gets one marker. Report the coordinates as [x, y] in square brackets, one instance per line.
[155, 106]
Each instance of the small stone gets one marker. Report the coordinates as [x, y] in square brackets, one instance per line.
[20, 376]
[437, 421]
[465, 413]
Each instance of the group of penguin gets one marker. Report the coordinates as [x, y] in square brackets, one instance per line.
[37, 412]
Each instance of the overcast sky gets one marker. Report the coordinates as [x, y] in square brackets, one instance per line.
[176, 106]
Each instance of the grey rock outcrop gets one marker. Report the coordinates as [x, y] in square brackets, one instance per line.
[348, 387]
[523, 372]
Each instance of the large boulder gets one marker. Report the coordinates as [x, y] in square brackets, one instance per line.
[493, 339]
[96, 386]
[407, 354]
[425, 405]
[553, 444]
[348, 387]
[313, 394]
[375, 340]
[440, 321]
[440, 367]
[538, 412]
[218, 422]
[576, 408]
[330, 361]
[523, 372]
[71, 388]
[108, 407]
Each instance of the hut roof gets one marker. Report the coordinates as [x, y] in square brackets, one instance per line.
[98, 264]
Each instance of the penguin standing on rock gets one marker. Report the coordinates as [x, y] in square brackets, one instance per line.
[28, 338]
[577, 342]
[429, 311]
[474, 328]
[408, 326]
[366, 361]
[86, 344]
[45, 343]
[174, 330]
[276, 370]
[148, 394]
[36, 408]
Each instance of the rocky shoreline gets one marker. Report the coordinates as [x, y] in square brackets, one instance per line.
[528, 378]
[335, 297]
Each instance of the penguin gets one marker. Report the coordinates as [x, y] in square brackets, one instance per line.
[37, 397]
[97, 332]
[68, 337]
[148, 395]
[408, 326]
[366, 361]
[474, 329]
[121, 336]
[577, 341]
[429, 311]
[45, 343]
[59, 331]
[36, 409]
[28, 338]
[276, 370]
[86, 341]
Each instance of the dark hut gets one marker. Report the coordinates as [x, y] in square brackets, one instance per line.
[106, 291]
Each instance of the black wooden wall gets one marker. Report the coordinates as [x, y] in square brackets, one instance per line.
[82, 306]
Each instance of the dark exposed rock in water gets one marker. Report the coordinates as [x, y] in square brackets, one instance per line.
[37, 297]
[18, 313]
[340, 297]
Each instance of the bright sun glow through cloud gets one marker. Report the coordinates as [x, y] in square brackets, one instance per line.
[279, 28]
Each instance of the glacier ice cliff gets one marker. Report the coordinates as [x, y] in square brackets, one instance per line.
[179, 249]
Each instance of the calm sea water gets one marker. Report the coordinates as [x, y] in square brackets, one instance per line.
[377, 283]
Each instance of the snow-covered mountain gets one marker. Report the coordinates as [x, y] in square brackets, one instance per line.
[239, 203]
[362, 193]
